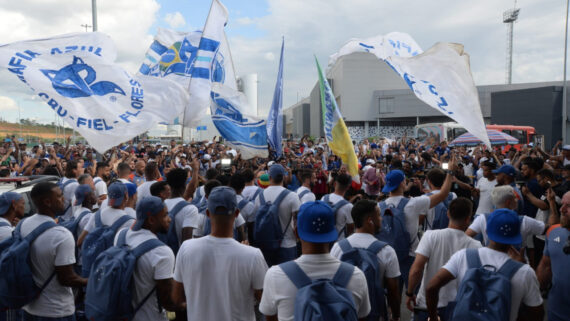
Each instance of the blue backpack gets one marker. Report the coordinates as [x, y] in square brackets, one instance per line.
[367, 261]
[73, 223]
[322, 299]
[171, 238]
[196, 200]
[440, 219]
[202, 206]
[484, 294]
[267, 233]
[394, 230]
[109, 291]
[99, 240]
[335, 208]
[303, 193]
[17, 286]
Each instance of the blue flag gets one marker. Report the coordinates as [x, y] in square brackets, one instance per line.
[275, 119]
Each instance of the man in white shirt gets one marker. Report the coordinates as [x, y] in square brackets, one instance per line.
[185, 220]
[434, 250]
[503, 229]
[246, 208]
[69, 183]
[315, 226]
[102, 176]
[344, 222]
[367, 219]
[308, 178]
[202, 271]
[435, 178]
[154, 269]
[250, 191]
[415, 207]
[152, 175]
[12, 207]
[504, 197]
[287, 209]
[52, 256]
[484, 187]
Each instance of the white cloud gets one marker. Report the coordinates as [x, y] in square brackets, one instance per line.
[269, 56]
[175, 19]
[244, 21]
[8, 104]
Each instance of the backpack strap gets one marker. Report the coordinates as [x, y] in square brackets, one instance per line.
[122, 240]
[69, 181]
[473, 260]
[303, 193]
[402, 204]
[295, 274]
[343, 274]
[242, 204]
[280, 197]
[510, 268]
[146, 246]
[177, 208]
[261, 199]
[2, 224]
[344, 245]
[327, 198]
[122, 220]
[82, 215]
[259, 190]
[97, 180]
[376, 246]
[383, 205]
[37, 231]
[98, 221]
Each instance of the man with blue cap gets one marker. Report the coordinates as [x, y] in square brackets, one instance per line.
[217, 266]
[154, 268]
[503, 230]
[315, 227]
[414, 209]
[11, 211]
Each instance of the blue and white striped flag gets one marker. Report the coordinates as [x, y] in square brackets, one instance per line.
[275, 118]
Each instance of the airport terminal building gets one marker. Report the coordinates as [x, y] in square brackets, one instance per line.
[375, 101]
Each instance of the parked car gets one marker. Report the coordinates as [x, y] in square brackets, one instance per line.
[23, 185]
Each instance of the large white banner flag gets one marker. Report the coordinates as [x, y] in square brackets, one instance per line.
[440, 77]
[76, 76]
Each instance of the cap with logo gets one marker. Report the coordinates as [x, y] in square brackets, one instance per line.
[316, 223]
[393, 180]
[504, 227]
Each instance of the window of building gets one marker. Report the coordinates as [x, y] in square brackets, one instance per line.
[386, 105]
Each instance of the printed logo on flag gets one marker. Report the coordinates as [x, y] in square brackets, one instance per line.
[78, 80]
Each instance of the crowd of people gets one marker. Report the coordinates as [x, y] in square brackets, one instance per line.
[457, 233]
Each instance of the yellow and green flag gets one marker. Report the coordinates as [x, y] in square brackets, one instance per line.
[336, 132]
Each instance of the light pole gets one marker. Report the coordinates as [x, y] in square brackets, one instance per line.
[94, 14]
[564, 111]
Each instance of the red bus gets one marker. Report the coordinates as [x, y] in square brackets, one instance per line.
[525, 134]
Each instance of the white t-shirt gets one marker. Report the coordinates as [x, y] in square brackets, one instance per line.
[186, 217]
[156, 264]
[108, 217]
[143, 190]
[100, 187]
[416, 206]
[431, 212]
[438, 246]
[485, 202]
[249, 191]
[54, 247]
[289, 205]
[387, 259]
[219, 270]
[343, 216]
[5, 231]
[69, 196]
[529, 227]
[308, 197]
[248, 211]
[524, 285]
[279, 292]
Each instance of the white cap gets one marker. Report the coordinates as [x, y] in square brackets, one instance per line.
[370, 161]
[566, 147]
[270, 163]
[206, 157]
[183, 155]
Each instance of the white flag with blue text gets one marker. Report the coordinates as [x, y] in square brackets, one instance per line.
[440, 77]
[76, 75]
[246, 133]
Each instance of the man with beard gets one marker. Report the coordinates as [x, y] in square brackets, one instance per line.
[138, 176]
[308, 179]
[553, 267]
[154, 269]
[367, 220]
[102, 175]
[529, 169]
[506, 175]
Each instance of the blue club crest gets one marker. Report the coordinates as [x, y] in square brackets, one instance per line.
[225, 108]
[78, 80]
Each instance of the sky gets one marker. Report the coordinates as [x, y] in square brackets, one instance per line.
[309, 27]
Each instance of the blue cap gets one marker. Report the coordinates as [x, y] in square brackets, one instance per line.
[222, 200]
[316, 223]
[116, 193]
[393, 180]
[81, 193]
[506, 169]
[7, 199]
[276, 169]
[504, 227]
[148, 206]
[131, 189]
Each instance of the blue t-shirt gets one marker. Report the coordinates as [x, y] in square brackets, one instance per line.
[559, 297]
[528, 208]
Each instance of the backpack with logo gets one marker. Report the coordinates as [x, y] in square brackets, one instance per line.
[170, 238]
[268, 233]
[367, 261]
[484, 294]
[335, 207]
[73, 223]
[303, 193]
[440, 219]
[109, 291]
[98, 240]
[322, 299]
[17, 286]
[394, 230]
